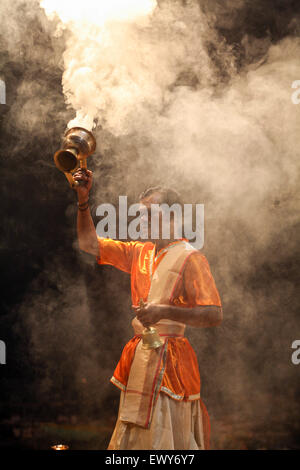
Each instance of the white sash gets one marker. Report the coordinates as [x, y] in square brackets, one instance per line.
[148, 365]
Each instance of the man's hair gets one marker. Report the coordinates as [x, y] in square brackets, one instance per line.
[169, 196]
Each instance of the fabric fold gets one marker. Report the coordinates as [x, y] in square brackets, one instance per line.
[143, 386]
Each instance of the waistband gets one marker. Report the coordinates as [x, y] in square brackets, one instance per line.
[163, 327]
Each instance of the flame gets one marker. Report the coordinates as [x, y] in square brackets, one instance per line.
[98, 12]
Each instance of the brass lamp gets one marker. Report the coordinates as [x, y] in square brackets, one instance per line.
[78, 144]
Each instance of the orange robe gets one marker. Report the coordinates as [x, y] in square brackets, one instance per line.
[196, 286]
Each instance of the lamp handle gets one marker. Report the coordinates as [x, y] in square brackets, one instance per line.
[69, 176]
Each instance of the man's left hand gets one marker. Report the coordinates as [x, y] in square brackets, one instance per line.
[150, 313]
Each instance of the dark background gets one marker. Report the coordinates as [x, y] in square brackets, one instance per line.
[65, 320]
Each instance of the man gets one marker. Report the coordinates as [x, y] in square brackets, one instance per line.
[171, 286]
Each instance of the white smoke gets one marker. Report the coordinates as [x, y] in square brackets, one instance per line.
[149, 77]
[120, 72]
[242, 143]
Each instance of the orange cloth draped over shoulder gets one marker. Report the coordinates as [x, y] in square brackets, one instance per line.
[196, 286]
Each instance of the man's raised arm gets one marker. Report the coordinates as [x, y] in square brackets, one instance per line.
[87, 236]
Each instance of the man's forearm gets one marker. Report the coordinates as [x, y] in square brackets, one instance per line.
[87, 236]
[200, 316]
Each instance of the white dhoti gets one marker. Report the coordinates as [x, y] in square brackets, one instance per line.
[175, 425]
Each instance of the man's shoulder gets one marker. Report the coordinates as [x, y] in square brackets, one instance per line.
[141, 244]
[133, 243]
[140, 248]
[196, 257]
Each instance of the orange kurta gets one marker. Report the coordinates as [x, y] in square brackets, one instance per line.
[195, 286]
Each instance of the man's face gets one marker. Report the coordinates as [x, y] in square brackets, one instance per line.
[158, 218]
[154, 198]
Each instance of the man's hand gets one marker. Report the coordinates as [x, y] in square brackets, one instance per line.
[201, 316]
[86, 177]
[150, 313]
